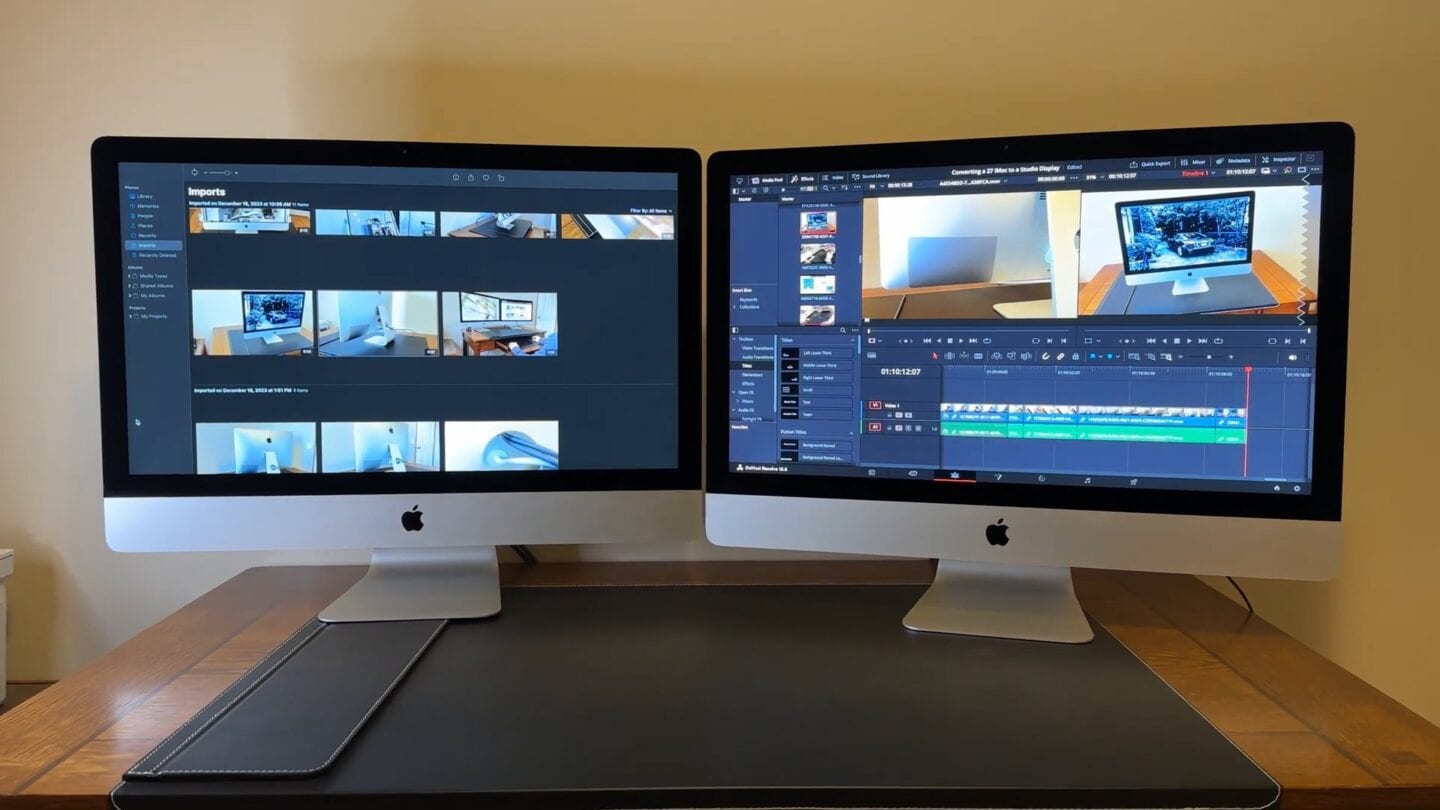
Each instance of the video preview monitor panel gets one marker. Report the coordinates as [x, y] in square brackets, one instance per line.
[1118, 320]
[267, 344]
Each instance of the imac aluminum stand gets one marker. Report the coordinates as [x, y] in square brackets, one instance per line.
[271, 339]
[1039, 308]
[1030, 603]
[406, 584]
[1189, 286]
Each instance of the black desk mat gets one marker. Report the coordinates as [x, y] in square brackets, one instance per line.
[518, 229]
[325, 681]
[240, 345]
[749, 696]
[977, 302]
[1226, 294]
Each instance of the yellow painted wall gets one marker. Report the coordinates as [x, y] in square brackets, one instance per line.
[709, 75]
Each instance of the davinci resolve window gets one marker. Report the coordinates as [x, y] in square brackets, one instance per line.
[1131, 323]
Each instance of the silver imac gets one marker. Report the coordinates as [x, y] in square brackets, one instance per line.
[1185, 240]
[270, 316]
[399, 445]
[1201, 432]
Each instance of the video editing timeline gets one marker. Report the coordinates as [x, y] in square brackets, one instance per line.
[1146, 322]
[1060, 405]
[269, 330]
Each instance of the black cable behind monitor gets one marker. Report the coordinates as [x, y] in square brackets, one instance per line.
[1249, 608]
[525, 554]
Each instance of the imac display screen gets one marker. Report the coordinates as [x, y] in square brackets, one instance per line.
[1132, 322]
[266, 311]
[478, 307]
[517, 310]
[1187, 232]
[266, 332]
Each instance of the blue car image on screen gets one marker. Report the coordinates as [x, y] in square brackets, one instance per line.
[1188, 244]
[1191, 232]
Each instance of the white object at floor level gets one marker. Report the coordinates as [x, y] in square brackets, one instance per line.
[7, 567]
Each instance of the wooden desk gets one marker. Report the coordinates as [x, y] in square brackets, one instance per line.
[570, 228]
[1287, 290]
[477, 341]
[1328, 738]
[881, 292]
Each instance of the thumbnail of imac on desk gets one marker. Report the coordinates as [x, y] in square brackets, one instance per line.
[1186, 240]
[269, 316]
[1178, 405]
[378, 439]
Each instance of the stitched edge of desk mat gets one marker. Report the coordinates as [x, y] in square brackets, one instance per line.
[162, 762]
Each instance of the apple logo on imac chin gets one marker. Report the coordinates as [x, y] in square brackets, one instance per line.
[997, 533]
[411, 519]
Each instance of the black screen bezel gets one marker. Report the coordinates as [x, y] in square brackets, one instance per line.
[106, 155]
[1335, 139]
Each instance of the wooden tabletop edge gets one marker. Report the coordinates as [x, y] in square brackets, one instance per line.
[1171, 602]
